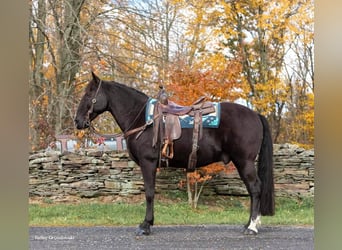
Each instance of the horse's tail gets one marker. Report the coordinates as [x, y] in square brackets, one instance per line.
[265, 170]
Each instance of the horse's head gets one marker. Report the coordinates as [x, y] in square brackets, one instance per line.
[92, 104]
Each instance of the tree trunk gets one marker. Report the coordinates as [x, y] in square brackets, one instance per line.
[36, 75]
[68, 64]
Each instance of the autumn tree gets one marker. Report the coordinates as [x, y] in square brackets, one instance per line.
[259, 35]
[299, 73]
[59, 39]
[138, 42]
[257, 32]
[259, 53]
[195, 181]
[56, 38]
[36, 78]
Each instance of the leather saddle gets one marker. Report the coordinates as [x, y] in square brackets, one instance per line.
[167, 124]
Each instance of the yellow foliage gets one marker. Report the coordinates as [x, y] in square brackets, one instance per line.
[227, 50]
[45, 100]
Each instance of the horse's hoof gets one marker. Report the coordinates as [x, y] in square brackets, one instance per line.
[250, 232]
[141, 231]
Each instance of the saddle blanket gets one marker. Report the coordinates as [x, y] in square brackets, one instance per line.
[209, 121]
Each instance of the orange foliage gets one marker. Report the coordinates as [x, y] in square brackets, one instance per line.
[83, 138]
[196, 180]
[187, 84]
[206, 173]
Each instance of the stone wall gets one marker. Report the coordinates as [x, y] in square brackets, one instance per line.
[293, 174]
[91, 174]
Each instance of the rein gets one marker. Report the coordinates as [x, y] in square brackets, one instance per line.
[138, 129]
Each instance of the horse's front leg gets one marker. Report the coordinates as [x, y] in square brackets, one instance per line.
[149, 175]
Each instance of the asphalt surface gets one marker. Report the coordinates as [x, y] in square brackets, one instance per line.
[171, 237]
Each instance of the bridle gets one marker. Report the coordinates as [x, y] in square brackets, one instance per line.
[129, 130]
[93, 101]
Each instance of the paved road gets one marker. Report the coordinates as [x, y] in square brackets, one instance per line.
[171, 237]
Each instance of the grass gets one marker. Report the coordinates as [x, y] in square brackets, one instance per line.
[232, 210]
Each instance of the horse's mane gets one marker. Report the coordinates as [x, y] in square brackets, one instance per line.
[128, 88]
[121, 86]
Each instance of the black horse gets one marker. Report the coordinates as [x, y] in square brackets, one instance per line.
[241, 136]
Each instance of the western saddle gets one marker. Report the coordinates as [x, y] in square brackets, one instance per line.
[167, 127]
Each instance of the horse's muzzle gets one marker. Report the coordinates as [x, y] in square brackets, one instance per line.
[87, 124]
[82, 124]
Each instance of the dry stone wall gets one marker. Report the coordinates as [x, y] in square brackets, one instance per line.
[293, 174]
[92, 174]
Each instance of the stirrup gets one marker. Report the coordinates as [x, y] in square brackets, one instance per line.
[167, 150]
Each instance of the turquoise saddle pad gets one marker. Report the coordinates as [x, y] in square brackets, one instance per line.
[209, 121]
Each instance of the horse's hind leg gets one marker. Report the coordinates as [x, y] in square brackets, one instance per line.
[250, 178]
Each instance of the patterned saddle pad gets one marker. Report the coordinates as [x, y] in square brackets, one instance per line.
[209, 121]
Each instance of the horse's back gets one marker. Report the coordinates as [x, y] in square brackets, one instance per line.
[239, 135]
[238, 114]
[241, 128]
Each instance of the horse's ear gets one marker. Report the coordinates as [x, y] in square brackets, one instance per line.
[95, 77]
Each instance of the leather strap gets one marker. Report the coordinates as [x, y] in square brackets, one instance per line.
[139, 129]
[197, 132]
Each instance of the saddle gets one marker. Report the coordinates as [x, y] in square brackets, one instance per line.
[167, 126]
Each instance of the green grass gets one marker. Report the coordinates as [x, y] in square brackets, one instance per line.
[232, 210]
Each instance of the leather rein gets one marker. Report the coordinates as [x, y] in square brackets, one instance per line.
[138, 129]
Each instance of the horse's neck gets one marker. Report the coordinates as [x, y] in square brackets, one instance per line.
[126, 104]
